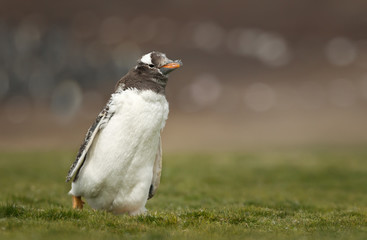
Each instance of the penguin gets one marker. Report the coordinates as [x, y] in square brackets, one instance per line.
[118, 166]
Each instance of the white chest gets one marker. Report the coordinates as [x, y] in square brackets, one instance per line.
[133, 131]
[136, 113]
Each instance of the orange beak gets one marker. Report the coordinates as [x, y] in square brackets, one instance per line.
[169, 67]
[172, 65]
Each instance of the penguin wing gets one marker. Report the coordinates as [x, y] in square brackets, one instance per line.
[103, 117]
[157, 170]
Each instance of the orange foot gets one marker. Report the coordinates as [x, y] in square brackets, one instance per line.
[77, 202]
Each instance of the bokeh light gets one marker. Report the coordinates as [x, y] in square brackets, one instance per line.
[269, 48]
[272, 50]
[205, 90]
[341, 51]
[66, 100]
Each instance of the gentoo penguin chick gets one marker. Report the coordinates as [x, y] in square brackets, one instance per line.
[118, 167]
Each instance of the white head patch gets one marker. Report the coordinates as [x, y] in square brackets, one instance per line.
[146, 59]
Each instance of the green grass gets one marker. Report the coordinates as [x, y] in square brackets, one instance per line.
[316, 194]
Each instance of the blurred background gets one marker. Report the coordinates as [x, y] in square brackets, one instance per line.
[257, 74]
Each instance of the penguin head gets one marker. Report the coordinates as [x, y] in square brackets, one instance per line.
[157, 62]
[150, 73]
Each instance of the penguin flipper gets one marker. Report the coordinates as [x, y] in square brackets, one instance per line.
[103, 117]
[157, 170]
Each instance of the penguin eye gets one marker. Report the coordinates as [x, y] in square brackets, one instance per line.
[151, 65]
